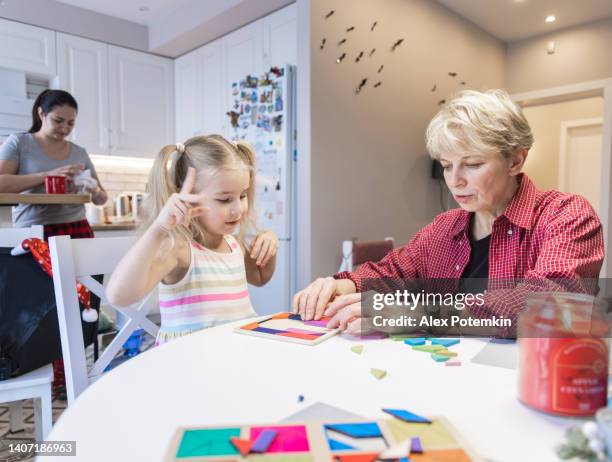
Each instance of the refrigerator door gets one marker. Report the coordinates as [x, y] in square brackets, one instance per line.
[276, 295]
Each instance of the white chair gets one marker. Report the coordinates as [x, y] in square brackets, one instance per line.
[34, 385]
[78, 259]
[356, 253]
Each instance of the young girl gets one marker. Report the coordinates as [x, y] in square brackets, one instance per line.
[200, 193]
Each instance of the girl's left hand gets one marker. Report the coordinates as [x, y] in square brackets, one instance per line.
[264, 247]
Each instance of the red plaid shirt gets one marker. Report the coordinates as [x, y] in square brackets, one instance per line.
[542, 236]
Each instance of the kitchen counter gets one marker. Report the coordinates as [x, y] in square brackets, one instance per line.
[127, 226]
[43, 199]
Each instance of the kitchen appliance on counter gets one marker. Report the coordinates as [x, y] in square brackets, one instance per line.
[128, 206]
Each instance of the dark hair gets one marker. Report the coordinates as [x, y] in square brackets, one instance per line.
[47, 100]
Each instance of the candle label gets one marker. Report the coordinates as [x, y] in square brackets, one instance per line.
[580, 376]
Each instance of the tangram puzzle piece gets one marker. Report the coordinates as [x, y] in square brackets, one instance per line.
[358, 349]
[264, 440]
[453, 362]
[415, 445]
[289, 438]
[446, 353]
[357, 430]
[439, 358]
[445, 342]
[398, 451]
[335, 445]
[415, 341]
[207, 442]
[356, 457]
[406, 416]
[428, 348]
[243, 446]
[378, 373]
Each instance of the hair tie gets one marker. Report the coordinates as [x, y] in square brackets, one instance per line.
[180, 148]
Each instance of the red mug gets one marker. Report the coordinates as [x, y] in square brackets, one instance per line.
[55, 184]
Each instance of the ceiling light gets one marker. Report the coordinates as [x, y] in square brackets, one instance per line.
[550, 18]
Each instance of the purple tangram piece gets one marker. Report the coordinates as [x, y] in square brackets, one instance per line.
[264, 440]
[415, 445]
[267, 330]
[295, 317]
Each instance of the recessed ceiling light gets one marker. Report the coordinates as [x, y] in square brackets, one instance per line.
[143, 8]
[550, 18]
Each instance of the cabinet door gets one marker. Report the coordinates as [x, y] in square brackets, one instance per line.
[83, 71]
[212, 107]
[280, 37]
[243, 54]
[189, 110]
[27, 48]
[141, 89]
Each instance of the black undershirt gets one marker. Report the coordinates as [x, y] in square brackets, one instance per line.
[475, 276]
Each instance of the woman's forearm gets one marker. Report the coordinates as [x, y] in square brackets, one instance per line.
[18, 183]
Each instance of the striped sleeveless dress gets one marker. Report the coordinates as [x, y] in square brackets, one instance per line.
[212, 292]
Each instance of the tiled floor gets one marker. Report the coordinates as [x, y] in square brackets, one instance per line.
[27, 435]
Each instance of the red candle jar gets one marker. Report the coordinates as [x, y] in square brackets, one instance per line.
[55, 184]
[563, 354]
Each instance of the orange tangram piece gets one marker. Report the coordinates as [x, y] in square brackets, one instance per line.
[356, 457]
[441, 455]
[281, 315]
[251, 326]
[243, 446]
[299, 335]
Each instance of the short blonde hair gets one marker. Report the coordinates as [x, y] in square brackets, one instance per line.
[487, 122]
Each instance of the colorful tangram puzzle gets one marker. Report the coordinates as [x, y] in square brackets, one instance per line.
[289, 328]
[394, 440]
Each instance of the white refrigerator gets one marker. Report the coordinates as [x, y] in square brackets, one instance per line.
[263, 113]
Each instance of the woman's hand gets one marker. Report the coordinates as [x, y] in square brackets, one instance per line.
[178, 209]
[264, 247]
[67, 170]
[311, 302]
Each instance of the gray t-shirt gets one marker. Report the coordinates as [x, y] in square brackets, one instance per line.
[25, 150]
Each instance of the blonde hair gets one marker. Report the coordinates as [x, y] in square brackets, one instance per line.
[200, 152]
[486, 122]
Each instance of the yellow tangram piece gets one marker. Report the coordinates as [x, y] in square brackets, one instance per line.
[358, 349]
[378, 373]
[433, 436]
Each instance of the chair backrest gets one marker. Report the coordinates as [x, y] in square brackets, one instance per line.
[356, 253]
[77, 260]
[12, 237]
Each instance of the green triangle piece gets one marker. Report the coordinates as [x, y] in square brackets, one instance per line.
[378, 373]
[358, 349]
[428, 348]
[439, 358]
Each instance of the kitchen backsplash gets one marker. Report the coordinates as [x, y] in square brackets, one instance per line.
[121, 177]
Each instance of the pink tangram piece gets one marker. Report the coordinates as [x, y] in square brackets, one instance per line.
[453, 362]
[289, 438]
[320, 323]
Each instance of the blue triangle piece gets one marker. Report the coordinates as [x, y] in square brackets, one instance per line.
[446, 342]
[357, 430]
[406, 416]
[415, 341]
[404, 459]
[334, 445]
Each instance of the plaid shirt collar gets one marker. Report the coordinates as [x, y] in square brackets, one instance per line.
[519, 211]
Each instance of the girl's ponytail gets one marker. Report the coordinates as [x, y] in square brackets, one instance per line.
[247, 154]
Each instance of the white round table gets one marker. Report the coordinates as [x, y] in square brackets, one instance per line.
[217, 377]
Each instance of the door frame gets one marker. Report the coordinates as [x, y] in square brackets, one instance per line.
[583, 90]
[566, 126]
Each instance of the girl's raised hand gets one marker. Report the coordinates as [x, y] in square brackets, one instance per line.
[264, 247]
[181, 207]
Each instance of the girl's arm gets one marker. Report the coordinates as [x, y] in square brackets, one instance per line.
[260, 259]
[142, 268]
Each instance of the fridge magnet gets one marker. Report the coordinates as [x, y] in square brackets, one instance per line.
[361, 85]
[235, 91]
[277, 122]
[254, 96]
[373, 25]
[262, 108]
[279, 143]
[270, 107]
[323, 43]
[372, 51]
[277, 71]
[251, 81]
[236, 105]
[341, 42]
[359, 56]
[396, 44]
[350, 29]
[377, 84]
[340, 58]
[328, 15]
[233, 115]
[278, 101]
[247, 108]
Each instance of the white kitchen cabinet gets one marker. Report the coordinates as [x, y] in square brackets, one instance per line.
[27, 48]
[213, 103]
[280, 37]
[141, 89]
[189, 109]
[82, 67]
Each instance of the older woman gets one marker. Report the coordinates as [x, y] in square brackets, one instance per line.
[505, 228]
